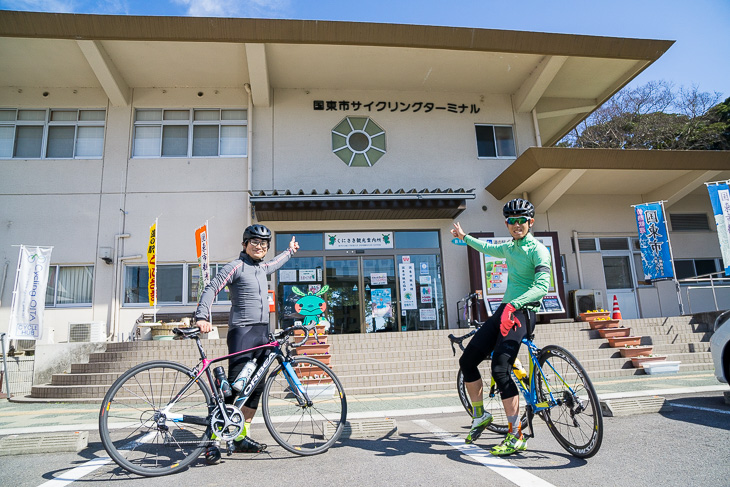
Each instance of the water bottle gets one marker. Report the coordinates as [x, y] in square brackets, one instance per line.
[244, 376]
[221, 382]
[518, 369]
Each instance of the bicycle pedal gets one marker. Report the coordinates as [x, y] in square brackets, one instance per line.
[230, 448]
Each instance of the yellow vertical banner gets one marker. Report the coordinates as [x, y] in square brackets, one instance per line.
[151, 260]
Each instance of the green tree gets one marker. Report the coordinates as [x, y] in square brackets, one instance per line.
[655, 116]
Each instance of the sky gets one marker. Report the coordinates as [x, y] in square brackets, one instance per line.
[699, 58]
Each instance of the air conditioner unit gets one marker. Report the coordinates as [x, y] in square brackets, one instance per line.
[586, 300]
[24, 345]
[87, 332]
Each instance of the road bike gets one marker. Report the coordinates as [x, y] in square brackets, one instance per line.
[556, 388]
[159, 416]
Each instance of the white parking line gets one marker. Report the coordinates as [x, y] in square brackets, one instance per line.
[76, 473]
[674, 404]
[498, 465]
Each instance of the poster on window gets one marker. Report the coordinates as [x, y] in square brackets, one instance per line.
[201, 246]
[720, 199]
[656, 257]
[381, 301]
[29, 293]
[426, 295]
[288, 275]
[307, 275]
[151, 265]
[495, 276]
[427, 314]
[378, 278]
[406, 272]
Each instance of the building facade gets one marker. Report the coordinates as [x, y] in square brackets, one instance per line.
[364, 141]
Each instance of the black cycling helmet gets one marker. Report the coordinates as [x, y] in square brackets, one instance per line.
[518, 207]
[256, 231]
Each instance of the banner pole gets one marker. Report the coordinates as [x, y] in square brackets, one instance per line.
[671, 259]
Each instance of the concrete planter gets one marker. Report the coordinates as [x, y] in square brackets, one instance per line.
[603, 324]
[641, 360]
[593, 315]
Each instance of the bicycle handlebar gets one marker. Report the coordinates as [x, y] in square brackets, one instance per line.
[290, 331]
[459, 340]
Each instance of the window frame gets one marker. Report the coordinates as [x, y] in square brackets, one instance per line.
[47, 124]
[186, 285]
[495, 143]
[55, 275]
[191, 123]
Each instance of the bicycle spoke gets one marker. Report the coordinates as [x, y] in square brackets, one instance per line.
[574, 414]
[305, 429]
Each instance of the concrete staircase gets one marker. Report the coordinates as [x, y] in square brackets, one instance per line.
[401, 362]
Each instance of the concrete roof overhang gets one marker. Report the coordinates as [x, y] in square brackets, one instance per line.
[562, 77]
[547, 173]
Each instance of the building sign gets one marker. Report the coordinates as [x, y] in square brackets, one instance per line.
[29, 295]
[656, 257]
[393, 106]
[359, 240]
[379, 278]
[495, 275]
[720, 198]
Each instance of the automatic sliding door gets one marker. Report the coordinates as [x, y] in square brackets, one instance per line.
[343, 307]
[380, 294]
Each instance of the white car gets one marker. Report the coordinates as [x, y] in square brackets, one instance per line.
[720, 347]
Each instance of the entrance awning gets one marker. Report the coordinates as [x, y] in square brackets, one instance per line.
[548, 173]
[273, 205]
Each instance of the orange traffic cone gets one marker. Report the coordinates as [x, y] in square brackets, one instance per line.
[616, 311]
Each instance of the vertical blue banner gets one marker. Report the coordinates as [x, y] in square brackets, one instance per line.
[656, 258]
[720, 198]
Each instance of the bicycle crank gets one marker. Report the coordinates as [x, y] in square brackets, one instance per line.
[228, 426]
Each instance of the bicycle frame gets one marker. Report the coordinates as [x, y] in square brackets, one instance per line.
[204, 367]
[529, 392]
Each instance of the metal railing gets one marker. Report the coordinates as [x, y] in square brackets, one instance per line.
[714, 281]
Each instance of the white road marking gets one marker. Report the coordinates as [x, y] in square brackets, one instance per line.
[76, 473]
[498, 465]
[674, 404]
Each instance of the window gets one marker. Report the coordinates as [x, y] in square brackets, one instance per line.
[689, 222]
[194, 275]
[70, 285]
[495, 141]
[417, 240]
[190, 133]
[177, 284]
[51, 134]
[695, 267]
[358, 141]
[307, 241]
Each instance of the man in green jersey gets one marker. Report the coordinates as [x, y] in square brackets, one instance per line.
[528, 267]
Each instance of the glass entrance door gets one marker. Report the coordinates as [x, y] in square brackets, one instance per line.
[343, 307]
[362, 294]
[379, 292]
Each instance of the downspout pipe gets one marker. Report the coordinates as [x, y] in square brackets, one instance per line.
[577, 259]
[249, 151]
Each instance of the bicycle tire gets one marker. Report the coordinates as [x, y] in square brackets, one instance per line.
[492, 400]
[129, 426]
[578, 429]
[305, 430]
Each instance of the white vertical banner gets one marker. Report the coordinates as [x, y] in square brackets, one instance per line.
[29, 294]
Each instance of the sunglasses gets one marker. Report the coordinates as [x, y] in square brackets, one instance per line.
[520, 220]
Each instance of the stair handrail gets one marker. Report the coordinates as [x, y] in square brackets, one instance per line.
[712, 279]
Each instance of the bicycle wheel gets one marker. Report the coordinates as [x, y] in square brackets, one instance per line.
[492, 400]
[305, 429]
[576, 421]
[145, 432]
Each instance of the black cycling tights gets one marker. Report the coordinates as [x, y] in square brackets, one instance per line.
[488, 338]
[242, 338]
